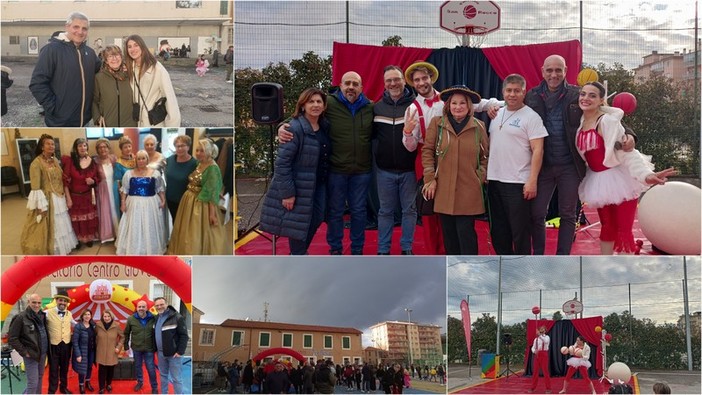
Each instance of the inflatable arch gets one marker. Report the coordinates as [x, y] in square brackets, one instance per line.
[16, 280]
[279, 350]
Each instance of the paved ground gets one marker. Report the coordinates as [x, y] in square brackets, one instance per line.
[680, 382]
[419, 387]
[249, 192]
[204, 101]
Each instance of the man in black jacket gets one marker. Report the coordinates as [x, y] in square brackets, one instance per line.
[397, 185]
[29, 337]
[556, 102]
[63, 79]
[171, 340]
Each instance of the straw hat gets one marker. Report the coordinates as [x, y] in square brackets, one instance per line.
[415, 65]
[446, 93]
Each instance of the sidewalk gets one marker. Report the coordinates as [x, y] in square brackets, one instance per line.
[204, 101]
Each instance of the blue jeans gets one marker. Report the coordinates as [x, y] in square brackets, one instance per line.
[35, 374]
[319, 211]
[396, 190]
[566, 178]
[343, 188]
[148, 358]
[170, 371]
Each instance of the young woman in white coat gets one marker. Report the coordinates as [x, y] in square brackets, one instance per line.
[150, 82]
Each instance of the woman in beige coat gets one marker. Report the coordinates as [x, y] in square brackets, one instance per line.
[109, 338]
[150, 82]
[455, 165]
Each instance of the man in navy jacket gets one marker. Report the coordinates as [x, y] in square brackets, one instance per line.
[63, 79]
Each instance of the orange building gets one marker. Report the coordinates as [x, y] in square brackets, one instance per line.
[242, 340]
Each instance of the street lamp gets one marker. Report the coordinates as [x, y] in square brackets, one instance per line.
[409, 314]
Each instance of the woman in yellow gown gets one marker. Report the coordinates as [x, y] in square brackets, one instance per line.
[47, 228]
[198, 228]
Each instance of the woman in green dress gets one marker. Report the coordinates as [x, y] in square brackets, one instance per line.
[198, 228]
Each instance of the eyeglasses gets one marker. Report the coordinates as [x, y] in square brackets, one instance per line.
[181, 146]
[115, 56]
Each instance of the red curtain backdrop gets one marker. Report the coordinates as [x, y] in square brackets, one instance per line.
[584, 326]
[528, 59]
[369, 61]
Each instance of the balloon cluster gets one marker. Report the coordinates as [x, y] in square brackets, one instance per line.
[624, 100]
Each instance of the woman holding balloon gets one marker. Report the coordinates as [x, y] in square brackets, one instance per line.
[579, 361]
[614, 178]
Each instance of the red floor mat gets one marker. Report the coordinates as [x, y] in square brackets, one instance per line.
[586, 241]
[521, 385]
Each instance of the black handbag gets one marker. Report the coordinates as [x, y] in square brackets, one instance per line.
[424, 206]
[156, 115]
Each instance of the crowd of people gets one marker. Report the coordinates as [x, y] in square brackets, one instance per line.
[323, 377]
[52, 334]
[129, 199]
[554, 136]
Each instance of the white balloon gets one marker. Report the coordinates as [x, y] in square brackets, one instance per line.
[619, 371]
[670, 216]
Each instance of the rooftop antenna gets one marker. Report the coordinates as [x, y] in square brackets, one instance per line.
[265, 311]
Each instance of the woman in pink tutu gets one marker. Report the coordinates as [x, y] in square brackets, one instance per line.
[579, 361]
[614, 178]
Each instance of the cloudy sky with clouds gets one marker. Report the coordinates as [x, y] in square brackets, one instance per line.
[348, 292]
[656, 285]
[613, 31]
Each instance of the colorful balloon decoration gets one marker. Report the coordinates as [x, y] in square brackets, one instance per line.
[21, 276]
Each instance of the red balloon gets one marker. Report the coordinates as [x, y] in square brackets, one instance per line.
[535, 310]
[625, 101]
[608, 337]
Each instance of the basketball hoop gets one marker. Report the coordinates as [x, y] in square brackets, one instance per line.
[571, 308]
[471, 35]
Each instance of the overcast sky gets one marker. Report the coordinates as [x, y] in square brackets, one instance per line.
[346, 292]
[614, 31]
[656, 286]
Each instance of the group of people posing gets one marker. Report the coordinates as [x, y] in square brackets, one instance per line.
[554, 136]
[127, 198]
[74, 86]
[38, 334]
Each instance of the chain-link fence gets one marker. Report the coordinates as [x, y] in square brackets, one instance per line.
[290, 42]
[622, 32]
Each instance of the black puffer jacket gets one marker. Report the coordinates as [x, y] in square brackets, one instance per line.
[295, 175]
[63, 82]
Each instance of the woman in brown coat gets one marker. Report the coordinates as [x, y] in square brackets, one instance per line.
[109, 338]
[455, 166]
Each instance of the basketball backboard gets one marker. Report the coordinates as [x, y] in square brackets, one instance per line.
[470, 17]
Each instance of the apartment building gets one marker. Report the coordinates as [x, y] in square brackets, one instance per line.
[409, 342]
